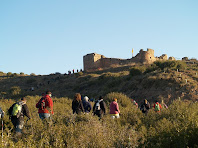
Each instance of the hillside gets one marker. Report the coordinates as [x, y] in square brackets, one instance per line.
[173, 127]
[157, 81]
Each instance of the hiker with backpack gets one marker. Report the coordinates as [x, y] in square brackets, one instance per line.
[17, 112]
[135, 103]
[87, 105]
[99, 108]
[157, 107]
[77, 105]
[145, 106]
[45, 106]
[114, 109]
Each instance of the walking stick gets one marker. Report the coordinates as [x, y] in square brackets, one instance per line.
[32, 128]
[2, 129]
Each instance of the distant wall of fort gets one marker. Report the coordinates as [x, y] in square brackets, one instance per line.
[94, 61]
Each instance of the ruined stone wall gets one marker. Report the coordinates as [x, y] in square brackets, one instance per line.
[144, 57]
[163, 57]
[108, 62]
[89, 61]
[95, 61]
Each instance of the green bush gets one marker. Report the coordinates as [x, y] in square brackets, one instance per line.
[173, 127]
[32, 74]
[2, 73]
[165, 64]
[137, 71]
[14, 75]
[123, 100]
[9, 74]
[15, 91]
[151, 68]
[181, 65]
[108, 75]
[80, 74]
[170, 64]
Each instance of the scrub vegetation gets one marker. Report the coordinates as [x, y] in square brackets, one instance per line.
[173, 127]
[173, 82]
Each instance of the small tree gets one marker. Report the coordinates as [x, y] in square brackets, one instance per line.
[9, 74]
[32, 74]
[14, 74]
[136, 71]
[1, 73]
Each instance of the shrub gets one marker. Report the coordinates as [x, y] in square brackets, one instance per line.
[79, 74]
[32, 74]
[15, 91]
[181, 65]
[14, 75]
[166, 64]
[136, 71]
[9, 74]
[1, 73]
[108, 75]
[123, 100]
[173, 127]
[151, 68]
[170, 64]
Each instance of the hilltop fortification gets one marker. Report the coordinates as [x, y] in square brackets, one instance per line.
[94, 61]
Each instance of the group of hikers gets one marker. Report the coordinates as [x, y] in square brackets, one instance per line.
[19, 110]
[69, 72]
[80, 104]
[145, 106]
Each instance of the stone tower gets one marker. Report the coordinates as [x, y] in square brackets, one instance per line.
[91, 61]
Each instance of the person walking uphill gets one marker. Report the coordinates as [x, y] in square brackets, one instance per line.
[17, 112]
[45, 106]
[114, 109]
[99, 107]
[87, 105]
[145, 107]
[77, 105]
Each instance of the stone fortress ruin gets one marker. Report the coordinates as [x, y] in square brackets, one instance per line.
[94, 61]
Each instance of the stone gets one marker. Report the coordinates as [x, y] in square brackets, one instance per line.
[94, 61]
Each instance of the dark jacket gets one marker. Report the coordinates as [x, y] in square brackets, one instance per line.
[24, 111]
[77, 107]
[87, 106]
[145, 107]
[102, 108]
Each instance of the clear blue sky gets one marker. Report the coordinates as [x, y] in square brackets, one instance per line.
[47, 36]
